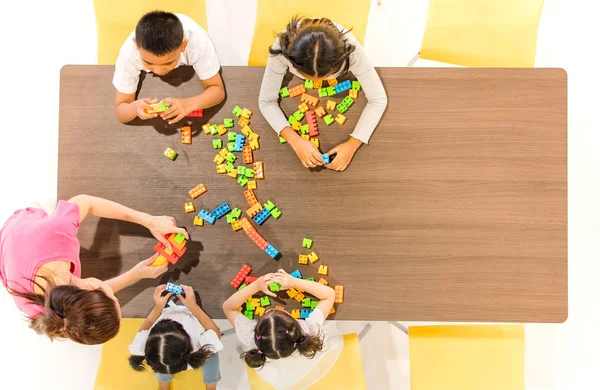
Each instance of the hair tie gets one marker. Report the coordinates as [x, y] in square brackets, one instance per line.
[287, 332]
[258, 337]
[294, 345]
[260, 352]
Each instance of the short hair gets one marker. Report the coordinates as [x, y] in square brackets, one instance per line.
[159, 32]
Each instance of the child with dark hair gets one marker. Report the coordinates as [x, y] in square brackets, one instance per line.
[286, 352]
[319, 49]
[177, 338]
[161, 42]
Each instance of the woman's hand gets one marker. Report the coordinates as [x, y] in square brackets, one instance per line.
[163, 225]
[145, 270]
[159, 300]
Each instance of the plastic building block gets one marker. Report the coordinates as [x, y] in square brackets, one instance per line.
[224, 153]
[323, 282]
[330, 105]
[249, 280]
[228, 122]
[217, 143]
[292, 120]
[198, 221]
[253, 136]
[323, 269]
[310, 279]
[265, 301]
[326, 158]
[219, 159]
[160, 260]
[208, 217]
[313, 304]
[230, 218]
[242, 180]
[247, 154]
[236, 213]
[246, 130]
[255, 237]
[309, 100]
[304, 129]
[339, 294]
[308, 84]
[259, 172]
[353, 93]
[328, 119]
[282, 140]
[249, 314]
[311, 123]
[231, 157]
[251, 184]
[317, 84]
[156, 108]
[239, 278]
[275, 213]
[246, 113]
[236, 225]
[343, 86]
[348, 101]
[303, 107]
[306, 302]
[243, 286]
[315, 142]
[197, 191]
[312, 256]
[174, 288]
[296, 274]
[356, 85]
[232, 173]
[262, 216]
[341, 119]
[214, 129]
[296, 314]
[241, 170]
[296, 125]
[259, 311]
[231, 136]
[221, 168]
[255, 209]
[171, 154]
[322, 92]
[299, 296]
[254, 144]
[299, 115]
[303, 259]
[342, 107]
[186, 135]
[189, 207]
[243, 121]
[331, 91]
[305, 136]
[274, 287]
[307, 243]
[246, 225]
[249, 173]
[297, 90]
[269, 205]
[221, 210]
[283, 92]
[206, 128]
[332, 82]
[291, 292]
[237, 111]
[271, 251]
[172, 255]
[320, 111]
[250, 197]
[221, 129]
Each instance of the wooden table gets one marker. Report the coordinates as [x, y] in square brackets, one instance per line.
[456, 211]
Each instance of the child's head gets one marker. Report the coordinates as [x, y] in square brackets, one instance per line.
[315, 47]
[277, 335]
[159, 40]
[169, 350]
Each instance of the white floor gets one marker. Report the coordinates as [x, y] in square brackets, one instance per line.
[39, 37]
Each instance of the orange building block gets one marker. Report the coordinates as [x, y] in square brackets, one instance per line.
[332, 82]
[291, 292]
[353, 93]
[252, 211]
[259, 172]
[320, 111]
[339, 294]
[247, 154]
[303, 107]
[246, 225]
[255, 236]
[250, 197]
[197, 191]
[243, 121]
[297, 90]
[330, 105]
[324, 282]
[303, 259]
[308, 99]
[186, 135]
[317, 84]
[236, 225]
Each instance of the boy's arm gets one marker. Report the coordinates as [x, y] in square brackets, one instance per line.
[127, 108]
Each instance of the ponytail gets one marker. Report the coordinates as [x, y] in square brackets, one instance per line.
[309, 345]
[254, 358]
[137, 362]
[197, 358]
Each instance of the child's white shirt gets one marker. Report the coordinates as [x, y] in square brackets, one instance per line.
[198, 335]
[296, 371]
[199, 53]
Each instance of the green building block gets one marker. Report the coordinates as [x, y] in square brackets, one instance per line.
[331, 91]
[236, 212]
[241, 170]
[342, 108]
[249, 172]
[356, 85]
[179, 238]
[282, 140]
[213, 129]
[229, 166]
[249, 314]
[274, 286]
[283, 92]
[265, 301]
[242, 286]
[230, 218]
[306, 302]
[292, 119]
[242, 180]
[348, 101]
[298, 115]
[307, 243]
[322, 92]
[310, 279]
[231, 136]
[237, 111]
[308, 84]
[249, 306]
[228, 122]
[313, 304]
[230, 147]
[328, 119]
[304, 129]
[269, 205]
[231, 158]
[276, 213]
[217, 143]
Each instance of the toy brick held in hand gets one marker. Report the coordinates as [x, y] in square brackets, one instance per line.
[196, 114]
[177, 241]
[174, 288]
[157, 108]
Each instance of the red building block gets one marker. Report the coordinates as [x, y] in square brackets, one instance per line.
[311, 121]
[250, 279]
[247, 154]
[240, 276]
[174, 255]
[257, 238]
[196, 114]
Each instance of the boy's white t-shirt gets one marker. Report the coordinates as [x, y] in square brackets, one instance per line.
[199, 53]
[198, 335]
[296, 371]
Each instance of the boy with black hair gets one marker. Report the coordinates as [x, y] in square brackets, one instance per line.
[161, 42]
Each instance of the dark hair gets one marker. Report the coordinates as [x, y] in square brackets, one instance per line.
[314, 46]
[277, 335]
[159, 32]
[169, 350]
[84, 316]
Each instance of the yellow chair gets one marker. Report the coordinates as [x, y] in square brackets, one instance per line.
[115, 20]
[347, 373]
[115, 373]
[272, 16]
[471, 357]
[492, 33]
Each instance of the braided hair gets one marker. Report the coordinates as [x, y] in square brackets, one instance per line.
[315, 47]
[277, 335]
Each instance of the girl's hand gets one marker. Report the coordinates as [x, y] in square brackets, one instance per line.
[145, 270]
[190, 299]
[284, 279]
[307, 152]
[159, 300]
[345, 152]
[141, 105]
[160, 226]
[264, 282]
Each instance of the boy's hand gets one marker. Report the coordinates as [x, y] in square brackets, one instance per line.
[307, 152]
[178, 109]
[159, 300]
[284, 279]
[345, 152]
[142, 105]
[190, 299]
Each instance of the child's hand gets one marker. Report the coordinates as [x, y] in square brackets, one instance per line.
[284, 279]
[264, 282]
[345, 152]
[159, 300]
[142, 105]
[178, 109]
[145, 270]
[190, 299]
[307, 152]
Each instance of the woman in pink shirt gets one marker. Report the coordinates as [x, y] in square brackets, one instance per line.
[40, 266]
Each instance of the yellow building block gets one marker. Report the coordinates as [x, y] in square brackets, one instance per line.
[291, 292]
[255, 301]
[259, 311]
[315, 142]
[323, 269]
[219, 159]
[246, 113]
[296, 314]
[299, 296]
[332, 310]
[324, 282]
[221, 129]
[305, 136]
[296, 126]
[243, 121]
[252, 211]
[221, 168]
[303, 107]
[312, 256]
[254, 144]
[251, 184]
[332, 82]
[353, 93]
[232, 173]
[160, 260]
[280, 308]
[236, 225]
[341, 119]
[303, 259]
[320, 111]
[253, 136]
[330, 105]
[189, 207]
[224, 152]
[339, 294]
[206, 128]
[239, 309]
[246, 130]
[198, 221]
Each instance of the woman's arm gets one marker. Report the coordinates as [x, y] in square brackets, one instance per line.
[142, 270]
[231, 305]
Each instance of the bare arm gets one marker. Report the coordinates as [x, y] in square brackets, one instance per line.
[325, 294]
[190, 302]
[105, 208]
[231, 305]
[127, 108]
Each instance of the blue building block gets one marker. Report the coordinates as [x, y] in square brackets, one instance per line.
[325, 158]
[271, 251]
[208, 217]
[304, 313]
[174, 288]
[296, 274]
[221, 210]
[343, 86]
[262, 216]
[240, 138]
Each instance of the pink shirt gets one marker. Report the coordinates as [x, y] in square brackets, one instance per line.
[31, 238]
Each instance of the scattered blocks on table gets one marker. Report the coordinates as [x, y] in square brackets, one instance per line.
[296, 274]
[303, 259]
[299, 296]
[246, 130]
[237, 111]
[250, 197]
[322, 92]
[342, 107]
[341, 119]
[221, 168]
[311, 123]
[236, 225]
[219, 159]
[339, 294]
[271, 251]
[275, 213]
[330, 105]
[242, 180]
[307, 243]
[265, 301]
[208, 217]
[197, 191]
[243, 121]
[241, 170]
[325, 158]
[299, 115]
[230, 218]
[296, 91]
[262, 216]
[236, 212]
[323, 282]
[259, 170]
[231, 136]
[174, 288]
[206, 128]
[283, 92]
[247, 155]
[251, 184]
[228, 122]
[356, 85]
[323, 269]
[254, 144]
[306, 302]
[317, 84]
[259, 311]
[291, 292]
[308, 84]
[224, 152]
[309, 100]
[156, 108]
[332, 82]
[171, 154]
[312, 256]
[189, 207]
[231, 158]
[221, 210]
[186, 135]
[255, 209]
[221, 129]
[303, 107]
[296, 314]
[217, 143]
[246, 113]
[239, 278]
[274, 286]
[315, 142]
[253, 136]
[229, 167]
[331, 91]
[198, 221]
[328, 119]
[320, 111]
[348, 101]
[232, 173]
[353, 93]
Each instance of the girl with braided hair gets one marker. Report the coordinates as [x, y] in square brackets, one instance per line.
[286, 352]
[319, 49]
